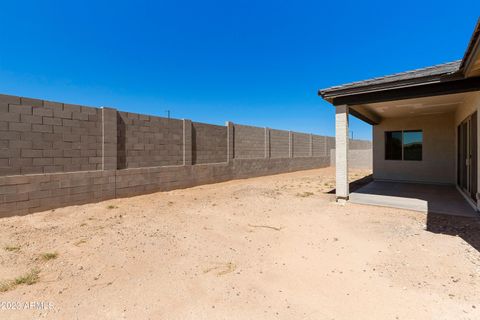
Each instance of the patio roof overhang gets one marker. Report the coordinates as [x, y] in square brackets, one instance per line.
[410, 92]
[374, 112]
[370, 106]
[451, 78]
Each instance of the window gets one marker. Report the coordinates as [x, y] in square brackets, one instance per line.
[403, 145]
[412, 145]
[393, 145]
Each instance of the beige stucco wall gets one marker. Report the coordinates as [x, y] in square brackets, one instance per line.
[438, 163]
[469, 106]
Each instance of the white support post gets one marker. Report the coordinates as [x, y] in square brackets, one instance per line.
[341, 153]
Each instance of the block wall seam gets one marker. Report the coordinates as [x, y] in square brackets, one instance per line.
[290, 144]
[187, 142]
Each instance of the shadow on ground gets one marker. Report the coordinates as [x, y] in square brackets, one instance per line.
[464, 227]
[467, 228]
[356, 184]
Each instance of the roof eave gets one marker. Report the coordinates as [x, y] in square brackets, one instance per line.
[330, 94]
[461, 85]
[472, 50]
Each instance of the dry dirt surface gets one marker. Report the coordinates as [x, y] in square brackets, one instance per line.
[274, 247]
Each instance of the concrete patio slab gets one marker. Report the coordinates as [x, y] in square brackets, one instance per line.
[442, 199]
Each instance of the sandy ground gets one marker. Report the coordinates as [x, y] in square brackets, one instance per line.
[273, 247]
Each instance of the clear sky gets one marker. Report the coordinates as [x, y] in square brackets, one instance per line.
[250, 62]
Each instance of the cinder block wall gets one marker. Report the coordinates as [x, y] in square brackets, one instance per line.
[38, 136]
[249, 142]
[319, 146]
[279, 144]
[209, 143]
[360, 145]
[358, 159]
[149, 141]
[360, 155]
[56, 154]
[302, 146]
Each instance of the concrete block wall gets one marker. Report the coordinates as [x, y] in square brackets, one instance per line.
[23, 194]
[319, 146]
[149, 141]
[279, 144]
[247, 168]
[139, 181]
[249, 142]
[56, 154]
[360, 155]
[254, 143]
[331, 144]
[301, 144]
[357, 159]
[209, 143]
[360, 144]
[38, 136]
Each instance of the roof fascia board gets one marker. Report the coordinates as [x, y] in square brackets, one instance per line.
[388, 86]
[419, 91]
[473, 57]
[472, 50]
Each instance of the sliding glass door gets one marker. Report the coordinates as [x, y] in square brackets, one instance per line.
[467, 156]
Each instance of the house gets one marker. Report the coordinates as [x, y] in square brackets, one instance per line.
[425, 135]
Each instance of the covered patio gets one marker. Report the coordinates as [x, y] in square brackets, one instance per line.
[424, 148]
[428, 198]
[425, 137]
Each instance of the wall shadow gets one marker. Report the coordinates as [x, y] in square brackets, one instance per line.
[194, 145]
[121, 143]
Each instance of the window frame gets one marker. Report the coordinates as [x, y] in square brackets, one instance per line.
[402, 158]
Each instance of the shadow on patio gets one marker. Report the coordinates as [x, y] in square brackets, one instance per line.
[428, 198]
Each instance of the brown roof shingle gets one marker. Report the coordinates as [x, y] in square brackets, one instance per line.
[428, 74]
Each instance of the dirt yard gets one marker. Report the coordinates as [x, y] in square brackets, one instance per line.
[274, 247]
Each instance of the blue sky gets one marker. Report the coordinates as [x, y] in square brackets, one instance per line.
[250, 62]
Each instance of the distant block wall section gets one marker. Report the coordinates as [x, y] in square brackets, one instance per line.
[279, 144]
[209, 143]
[301, 144]
[360, 155]
[360, 145]
[319, 146]
[57, 154]
[150, 141]
[249, 142]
